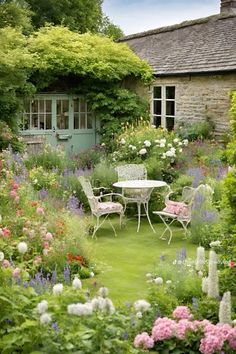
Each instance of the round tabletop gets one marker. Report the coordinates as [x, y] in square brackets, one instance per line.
[141, 183]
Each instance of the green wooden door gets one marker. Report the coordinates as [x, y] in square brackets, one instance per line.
[61, 120]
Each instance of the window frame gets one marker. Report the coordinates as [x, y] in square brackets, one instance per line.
[164, 101]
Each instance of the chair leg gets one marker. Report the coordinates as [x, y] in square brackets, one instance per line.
[139, 215]
[121, 217]
[96, 228]
[166, 229]
[112, 227]
[185, 227]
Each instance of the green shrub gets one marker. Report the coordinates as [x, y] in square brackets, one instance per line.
[195, 130]
[9, 138]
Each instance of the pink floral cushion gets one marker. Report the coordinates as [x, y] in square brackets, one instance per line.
[109, 207]
[177, 208]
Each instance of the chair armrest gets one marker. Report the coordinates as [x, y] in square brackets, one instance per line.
[110, 195]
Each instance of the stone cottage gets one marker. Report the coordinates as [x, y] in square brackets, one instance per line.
[194, 63]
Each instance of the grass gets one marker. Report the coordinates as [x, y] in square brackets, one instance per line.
[124, 260]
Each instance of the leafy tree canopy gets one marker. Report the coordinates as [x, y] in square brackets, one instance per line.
[15, 14]
[61, 52]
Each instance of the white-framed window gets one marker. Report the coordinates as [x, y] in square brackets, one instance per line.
[37, 115]
[82, 114]
[163, 106]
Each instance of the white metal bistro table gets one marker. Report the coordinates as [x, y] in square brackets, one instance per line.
[144, 188]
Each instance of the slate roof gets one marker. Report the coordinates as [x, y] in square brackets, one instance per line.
[199, 46]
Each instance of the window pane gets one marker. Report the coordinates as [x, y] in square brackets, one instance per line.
[89, 121]
[65, 106]
[25, 122]
[157, 121]
[157, 107]
[170, 92]
[83, 121]
[48, 121]
[76, 105]
[41, 106]
[157, 92]
[170, 123]
[34, 121]
[35, 106]
[76, 120]
[48, 106]
[82, 106]
[170, 108]
[41, 121]
[62, 114]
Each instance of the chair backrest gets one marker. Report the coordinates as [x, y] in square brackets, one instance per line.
[131, 172]
[88, 191]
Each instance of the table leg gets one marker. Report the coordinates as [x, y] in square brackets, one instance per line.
[147, 213]
[139, 215]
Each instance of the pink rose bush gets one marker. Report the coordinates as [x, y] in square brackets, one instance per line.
[187, 333]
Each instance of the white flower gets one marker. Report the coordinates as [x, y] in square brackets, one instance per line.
[185, 142]
[153, 126]
[141, 306]
[157, 141]
[22, 247]
[163, 141]
[1, 232]
[225, 309]
[176, 140]
[91, 274]
[234, 322]
[169, 282]
[42, 307]
[1, 256]
[103, 292]
[213, 278]
[45, 318]
[205, 285]
[200, 274]
[122, 141]
[142, 151]
[57, 289]
[139, 314]
[180, 150]
[163, 156]
[103, 144]
[0, 218]
[170, 153]
[35, 181]
[80, 309]
[130, 146]
[158, 281]
[77, 283]
[147, 143]
[173, 149]
[108, 306]
[180, 143]
[134, 148]
[162, 145]
[200, 261]
[215, 244]
[149, 275]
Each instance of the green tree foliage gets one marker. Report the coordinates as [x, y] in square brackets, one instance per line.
[78, 15]
[15, 65]
[15, 14]
[61, 52]
[109, 29]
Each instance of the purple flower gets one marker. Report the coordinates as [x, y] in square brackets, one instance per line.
[197, 174]
[67, 274]
[43, 193]
[74, 205]
[55, 326]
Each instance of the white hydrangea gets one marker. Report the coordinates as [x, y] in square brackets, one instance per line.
[176, 140]
[142, 151]
[42, 307]
[147, 143]
[103, 292]
[134, 148]
[170, 153]
[157, 141]
[141, 306]
[169, 145]
[1, 256]
[180, 143]
[122, 141]
[57, 289]
[163, 156]
[162, 145]
[139, 314]
[130, 146]
[76, 283]
[45, 318]
[163, 141]
[158, 281]
[180, 150]
[215, 244]
[185, 142]
[80, 309]
[22, 247]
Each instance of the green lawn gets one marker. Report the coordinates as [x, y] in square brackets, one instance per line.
[128, 257]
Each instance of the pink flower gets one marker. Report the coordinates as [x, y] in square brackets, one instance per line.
[46, 245]
[40, 211]
[6, 263]
[15, 186]
[6, 232]
[182, 312]
[163, 329]
[231, 338]
[13, 193]
[144, 341]
[211, 344]
[16, 273]
[181, 327]
[48, 236]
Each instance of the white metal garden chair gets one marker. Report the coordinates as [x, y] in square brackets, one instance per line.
[132, 172]
[177, 211]
[99, 208]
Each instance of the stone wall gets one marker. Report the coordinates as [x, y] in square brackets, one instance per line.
[201, 97]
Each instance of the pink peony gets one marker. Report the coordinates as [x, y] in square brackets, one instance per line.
[211, 344]
[163, 329]
[6, 232]
[231, 338]
[16, 273]
[6, 263]
[46, 245]
[182, 312]
[144, 341]
[40, 211]
[15, 186]
[48, 236]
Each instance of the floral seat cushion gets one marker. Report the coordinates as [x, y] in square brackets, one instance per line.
[107, 207]
[177, 208]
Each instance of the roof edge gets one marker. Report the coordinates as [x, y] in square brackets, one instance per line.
[176, 26]
[206, 72]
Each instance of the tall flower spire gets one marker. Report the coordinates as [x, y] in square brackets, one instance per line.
[213, 279]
